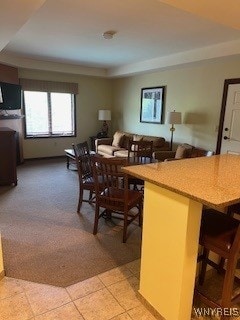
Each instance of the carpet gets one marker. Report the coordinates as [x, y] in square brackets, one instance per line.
[44, 240]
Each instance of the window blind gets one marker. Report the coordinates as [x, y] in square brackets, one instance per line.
[48, 86]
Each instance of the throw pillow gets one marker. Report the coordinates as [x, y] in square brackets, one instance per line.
[183, 151]
[117, 139]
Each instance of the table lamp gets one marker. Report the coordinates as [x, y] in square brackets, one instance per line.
[173, 118]
[104, 115]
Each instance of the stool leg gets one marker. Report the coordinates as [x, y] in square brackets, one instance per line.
[125, 224]
[221, 265]
[140, 218]
[80, 199]
[228, 284]
[203, 266]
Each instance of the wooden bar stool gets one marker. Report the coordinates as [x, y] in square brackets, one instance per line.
[220, 233]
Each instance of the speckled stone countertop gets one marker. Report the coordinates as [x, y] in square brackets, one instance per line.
[213, 181]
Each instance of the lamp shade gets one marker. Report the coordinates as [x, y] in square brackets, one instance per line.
[104, 115]
[174, 117]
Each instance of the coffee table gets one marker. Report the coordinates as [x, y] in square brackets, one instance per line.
[70, 156]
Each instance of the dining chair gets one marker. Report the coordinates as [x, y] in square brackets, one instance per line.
[139, 152]
[219, 233]
[85, 173]
[115, 197]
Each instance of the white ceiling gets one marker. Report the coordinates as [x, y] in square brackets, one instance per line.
[66, 35]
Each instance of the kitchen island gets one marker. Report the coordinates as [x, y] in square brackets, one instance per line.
[174, 194]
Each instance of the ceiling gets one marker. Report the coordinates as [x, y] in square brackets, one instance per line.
[66, 35]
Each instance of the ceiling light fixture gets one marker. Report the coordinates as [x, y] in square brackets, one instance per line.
[108, 34]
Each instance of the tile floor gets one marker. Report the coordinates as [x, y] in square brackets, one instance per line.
[110, 295]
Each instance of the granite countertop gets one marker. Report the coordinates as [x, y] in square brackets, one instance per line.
[213, 181]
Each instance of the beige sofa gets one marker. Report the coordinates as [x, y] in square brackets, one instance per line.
[118, 145]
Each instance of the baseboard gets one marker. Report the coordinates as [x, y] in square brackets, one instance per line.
[45, 158]
[149, 307]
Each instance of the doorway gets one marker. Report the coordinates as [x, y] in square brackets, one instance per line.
[229, 125]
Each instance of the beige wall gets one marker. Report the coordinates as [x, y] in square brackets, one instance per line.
[94, 94]
[196, 91]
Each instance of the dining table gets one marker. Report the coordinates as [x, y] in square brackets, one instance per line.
[174, 195]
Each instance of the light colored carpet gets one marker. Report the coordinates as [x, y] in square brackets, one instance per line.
[45, 240]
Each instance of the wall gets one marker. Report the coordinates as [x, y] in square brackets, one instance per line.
[8, 74]
[195, 90]
[94, 94]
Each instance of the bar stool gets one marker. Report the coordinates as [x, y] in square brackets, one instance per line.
[219, 233]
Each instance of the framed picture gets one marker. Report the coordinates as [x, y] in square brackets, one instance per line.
[152, 102]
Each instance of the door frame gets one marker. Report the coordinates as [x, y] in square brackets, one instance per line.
[227, 82]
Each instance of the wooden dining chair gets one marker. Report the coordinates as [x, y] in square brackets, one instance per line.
[139, 152]
[85, 173]
[219, 233]
[115, 197]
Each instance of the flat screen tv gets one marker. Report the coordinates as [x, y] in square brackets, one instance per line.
[10, 96]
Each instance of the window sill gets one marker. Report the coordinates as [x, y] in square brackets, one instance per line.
[50, 136]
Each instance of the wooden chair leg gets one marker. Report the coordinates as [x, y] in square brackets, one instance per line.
[125, 227]
[108, 214]
[80, 199]
[140, 210]
[67, 162]
[90, 195]
[228, 283]
[95, 228]
[221, 265]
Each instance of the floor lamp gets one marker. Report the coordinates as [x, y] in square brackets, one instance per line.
[173, 118]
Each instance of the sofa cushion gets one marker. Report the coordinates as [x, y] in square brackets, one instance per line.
[106, 149]
[121, 153]
[118, 139]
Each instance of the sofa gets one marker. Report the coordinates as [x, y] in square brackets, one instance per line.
[183, 151]
[118, 145]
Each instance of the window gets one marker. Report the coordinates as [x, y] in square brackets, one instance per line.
[49, 114]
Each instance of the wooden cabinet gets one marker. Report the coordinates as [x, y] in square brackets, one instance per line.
[8, 170]
[15, 123]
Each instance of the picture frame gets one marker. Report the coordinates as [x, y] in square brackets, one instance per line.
[152, 104]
